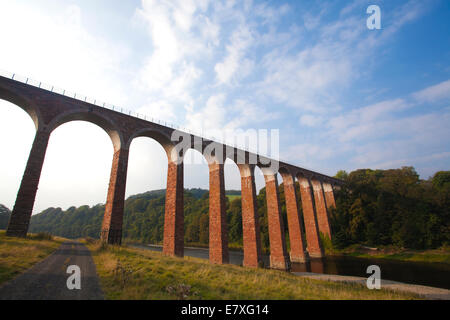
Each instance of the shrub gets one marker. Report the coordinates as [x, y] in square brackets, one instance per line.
[42, 236]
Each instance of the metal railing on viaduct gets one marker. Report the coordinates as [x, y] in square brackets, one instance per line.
[49, 108]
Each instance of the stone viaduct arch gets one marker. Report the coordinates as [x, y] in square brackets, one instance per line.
[49, 110]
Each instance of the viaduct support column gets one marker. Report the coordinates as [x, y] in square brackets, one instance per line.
[321, 209]
[113, 218]
[297, 242]
[21, 214]
[329, 195]
[174, 216]
[309, 215]
[250, 219]
[218, 235]
[278, 252]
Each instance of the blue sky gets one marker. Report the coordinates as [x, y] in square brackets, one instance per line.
[342, 96]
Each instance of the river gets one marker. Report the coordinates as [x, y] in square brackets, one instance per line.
[422, 273]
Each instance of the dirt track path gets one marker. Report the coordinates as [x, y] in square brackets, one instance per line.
[47, 279]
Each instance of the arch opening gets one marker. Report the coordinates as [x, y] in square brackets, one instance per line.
[196, 198]
[146, 191]
[233, 194]
[282, 178]
[93, 117]
[261, 207]
[74, 181]
[22, 103]
[17, 132]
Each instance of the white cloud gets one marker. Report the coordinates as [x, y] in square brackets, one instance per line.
[310, 120]
[170, 70]
[306, 79]
[440, 91]
[210, 119]
[61, 51]
[159, 110]
[366, 122]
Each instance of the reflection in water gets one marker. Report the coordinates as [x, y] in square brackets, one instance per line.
[428, 274]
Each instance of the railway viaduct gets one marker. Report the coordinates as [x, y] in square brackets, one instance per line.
[49, 108]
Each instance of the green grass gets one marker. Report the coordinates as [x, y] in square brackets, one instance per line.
[232, 197]
[409, 256]
[131, 273]
[20, 254]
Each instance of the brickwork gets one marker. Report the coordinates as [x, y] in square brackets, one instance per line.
[23, 208]
[321, 208]
[296, 238]
[113, 218]
[50, 110]
[218, 234]
[174, 216]
[309, 216]
[278, 253]
[329, 195]
[317, 266]
[250, 220]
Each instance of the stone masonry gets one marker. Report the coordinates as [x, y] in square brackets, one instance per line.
[218, 236]
[250, 220]
[278, 253]
[174, 215]
[296, 238]
[321, 209]
[314, 246]
[49, 110]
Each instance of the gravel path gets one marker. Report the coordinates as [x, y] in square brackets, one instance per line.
[47, 279]
[427, 292]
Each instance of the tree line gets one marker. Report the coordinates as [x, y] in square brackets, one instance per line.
[374, 207]
[392, 207]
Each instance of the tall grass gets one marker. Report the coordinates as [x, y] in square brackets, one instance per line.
[19, 254]
[151, 275]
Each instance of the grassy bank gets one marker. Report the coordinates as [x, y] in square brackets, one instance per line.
[20, 254]
[131, 273]
[441, 255]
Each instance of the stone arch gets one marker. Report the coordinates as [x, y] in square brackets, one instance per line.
[159, 136]
[218, 234]
[79, 153]
[238, 156]
[24, 103]
[94, 117]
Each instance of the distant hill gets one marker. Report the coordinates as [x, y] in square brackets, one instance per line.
[143, 218]
[4, 216]
[194, 192]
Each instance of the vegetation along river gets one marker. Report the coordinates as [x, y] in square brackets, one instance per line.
[422, 273]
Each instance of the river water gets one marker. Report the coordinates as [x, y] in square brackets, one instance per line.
[423, 273]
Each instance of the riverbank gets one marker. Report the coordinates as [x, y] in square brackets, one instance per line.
[19, 254]
[430, 293]
[132, 273]
[440, 255]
